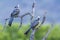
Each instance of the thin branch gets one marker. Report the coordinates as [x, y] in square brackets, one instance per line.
[43, 20]
[32, 34]
[24, 16]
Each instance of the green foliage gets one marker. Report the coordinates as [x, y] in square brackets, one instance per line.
[12, 33]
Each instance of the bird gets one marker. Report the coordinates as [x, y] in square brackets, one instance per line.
[14, 14]
[16, 11]
[33, 25]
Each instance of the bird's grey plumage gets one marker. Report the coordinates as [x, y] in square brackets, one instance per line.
[33, 25]
[14, 14]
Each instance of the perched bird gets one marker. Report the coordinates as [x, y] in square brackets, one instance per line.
[16, 11]
[33, 25]
[14, 14]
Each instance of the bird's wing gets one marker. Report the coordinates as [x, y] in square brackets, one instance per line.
[15, 12]
[34, 24]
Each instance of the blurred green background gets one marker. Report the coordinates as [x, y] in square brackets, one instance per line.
[12, 33]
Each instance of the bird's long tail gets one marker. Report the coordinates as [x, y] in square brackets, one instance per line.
[10, 21]
[27, 31]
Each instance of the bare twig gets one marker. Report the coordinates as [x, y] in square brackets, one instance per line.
[24, 16]
[5, 23]
[32, 34]
[50, 29]
[33, 11]
[45, 37]
[43, 20]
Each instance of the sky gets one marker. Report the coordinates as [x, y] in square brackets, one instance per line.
[51, 6]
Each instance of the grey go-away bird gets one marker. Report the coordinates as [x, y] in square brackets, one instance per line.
[14, 14]
[33, 25]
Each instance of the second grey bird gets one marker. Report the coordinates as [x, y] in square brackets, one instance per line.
[33, 25]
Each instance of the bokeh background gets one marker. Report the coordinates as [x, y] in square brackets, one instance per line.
[51, 6]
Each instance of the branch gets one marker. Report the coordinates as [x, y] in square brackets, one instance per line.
[44, 18]
[23, 16]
